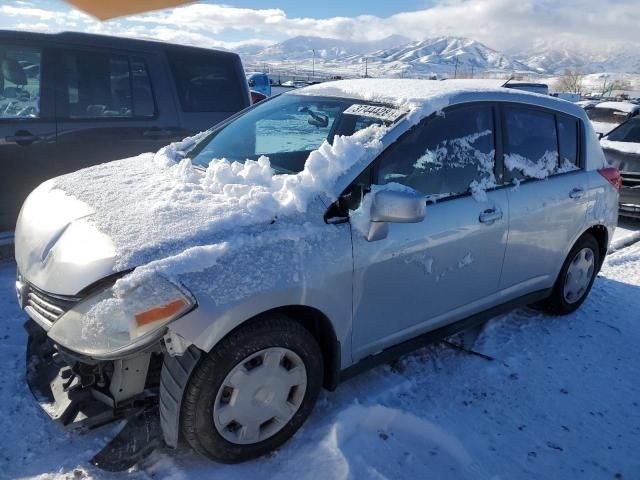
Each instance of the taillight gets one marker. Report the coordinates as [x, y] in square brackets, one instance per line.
[613, 176]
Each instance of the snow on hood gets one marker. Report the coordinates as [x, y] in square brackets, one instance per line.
[625, 147]
[626, 107]
[603, 127]
[163, 214]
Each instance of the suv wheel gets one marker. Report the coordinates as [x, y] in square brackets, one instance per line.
[252, 391]
[576, 277]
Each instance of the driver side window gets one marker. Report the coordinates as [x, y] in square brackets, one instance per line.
[445, 155]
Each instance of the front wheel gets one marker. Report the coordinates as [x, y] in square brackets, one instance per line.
[253, 391]
[576, 277]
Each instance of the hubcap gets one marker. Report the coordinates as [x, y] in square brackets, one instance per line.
[579, 275]
[260, 395]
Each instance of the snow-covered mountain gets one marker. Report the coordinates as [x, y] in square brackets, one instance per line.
[442, 56]
[302, 47]
[551, 58]
[391, 56]
[435, 53]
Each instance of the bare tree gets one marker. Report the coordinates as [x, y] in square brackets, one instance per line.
[571, 81]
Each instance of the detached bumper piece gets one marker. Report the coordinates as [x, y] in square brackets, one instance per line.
[77, 396]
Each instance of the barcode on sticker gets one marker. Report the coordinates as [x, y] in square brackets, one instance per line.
[375, 111]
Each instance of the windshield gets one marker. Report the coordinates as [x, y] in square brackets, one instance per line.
[287, 128]
[606, 115]
[627, 132]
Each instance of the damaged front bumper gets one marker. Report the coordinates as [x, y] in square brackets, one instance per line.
[81, 393]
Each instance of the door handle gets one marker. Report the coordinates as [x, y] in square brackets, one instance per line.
[577, 193]
[155, 132]
[22, 138]
[491, 215]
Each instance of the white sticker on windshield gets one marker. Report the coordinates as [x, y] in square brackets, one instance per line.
[375, 111]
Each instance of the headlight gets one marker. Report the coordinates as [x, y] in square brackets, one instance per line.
[113, 323]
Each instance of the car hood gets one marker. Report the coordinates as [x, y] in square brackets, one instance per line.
[57, 249]
[82, 227]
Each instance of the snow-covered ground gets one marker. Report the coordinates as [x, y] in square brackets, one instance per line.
[560, 400]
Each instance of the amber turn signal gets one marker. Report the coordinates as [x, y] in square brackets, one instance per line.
[160, 313]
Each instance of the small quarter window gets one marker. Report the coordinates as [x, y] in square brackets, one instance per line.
[568, 134]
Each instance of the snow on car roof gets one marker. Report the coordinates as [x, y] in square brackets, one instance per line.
[627, 107]
[419, 97]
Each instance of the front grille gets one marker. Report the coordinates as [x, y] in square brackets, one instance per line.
[50, 307]
[630, 180]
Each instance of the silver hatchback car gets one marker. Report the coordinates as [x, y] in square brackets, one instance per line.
[218, 284]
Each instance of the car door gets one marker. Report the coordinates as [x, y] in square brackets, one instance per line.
[548, 202]
[111, 105]
[27, 124]
[425, 275]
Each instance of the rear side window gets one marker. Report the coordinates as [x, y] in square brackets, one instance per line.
[102, 85]
[569, 139]
[206, 81]
[445, 155]
[531, 143]
[19, 82]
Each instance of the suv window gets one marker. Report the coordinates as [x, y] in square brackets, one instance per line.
[531, 143]
[19, 82]
[444, 155]
[206, 81]
[106, 85]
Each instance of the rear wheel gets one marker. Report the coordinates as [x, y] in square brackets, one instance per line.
[253, 391]
[576, 277]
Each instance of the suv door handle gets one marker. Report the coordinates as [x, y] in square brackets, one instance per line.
[577, 193]
[156, 132]
[491, 215]
[22, 138]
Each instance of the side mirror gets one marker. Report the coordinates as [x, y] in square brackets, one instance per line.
[392, 205]
[600, 135]
[252, 83]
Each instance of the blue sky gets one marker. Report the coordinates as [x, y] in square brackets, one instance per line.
[512, 26]
[328, 8]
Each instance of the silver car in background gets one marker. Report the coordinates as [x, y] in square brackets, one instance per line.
[229, 277]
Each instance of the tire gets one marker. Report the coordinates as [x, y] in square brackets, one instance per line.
[209, 390]
[559, 303]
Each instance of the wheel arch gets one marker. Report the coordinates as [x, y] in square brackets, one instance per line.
[601, 234]
[177, 370]
[319, 325]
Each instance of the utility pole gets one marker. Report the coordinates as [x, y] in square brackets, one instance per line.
[313, 67]
[366, 67]
[455, 71]
[472, 68]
